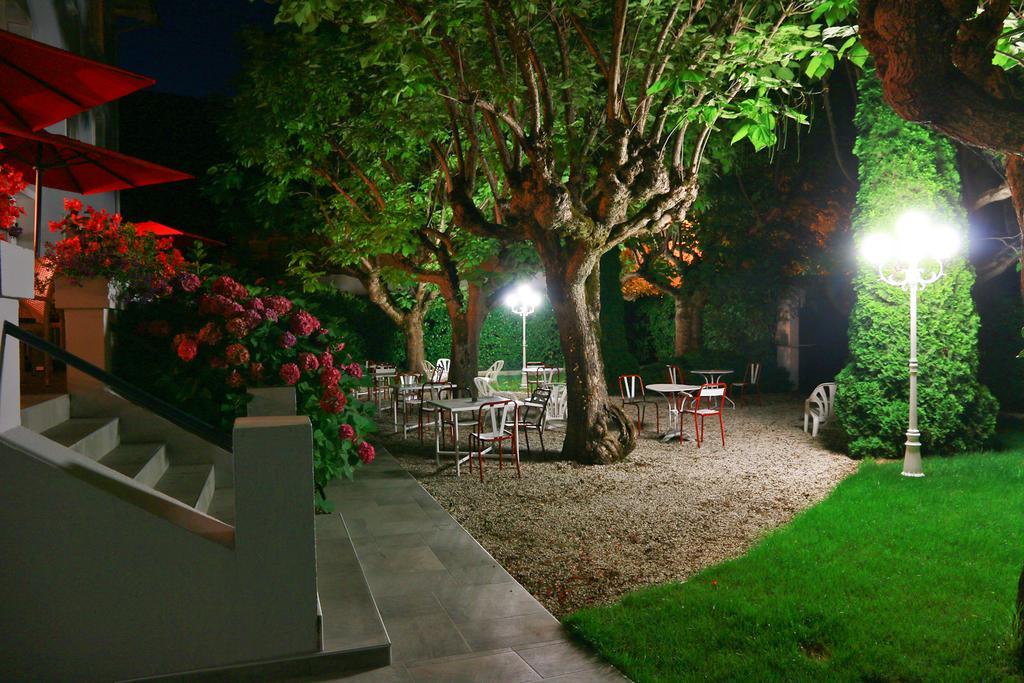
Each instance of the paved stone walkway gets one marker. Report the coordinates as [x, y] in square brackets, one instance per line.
[452, 613]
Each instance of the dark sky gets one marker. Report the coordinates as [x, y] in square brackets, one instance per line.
[193, 50]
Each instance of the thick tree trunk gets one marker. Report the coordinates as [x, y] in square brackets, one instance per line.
[596, 430]
[696, 320]
[412, 328]
[466, 326]
[681, 326]
[1015, 181]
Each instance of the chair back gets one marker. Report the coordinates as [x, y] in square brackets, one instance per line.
[435, 391]
[547, 376]
[408, 379]
[484, 388]
[500, 416]
[675, 374]
[428, 371]
[714, 396]
[753, 373]
[823, 398]
[441, 369]
[631, 386]
[492, 372]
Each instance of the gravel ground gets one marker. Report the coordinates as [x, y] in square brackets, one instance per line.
[577, 535]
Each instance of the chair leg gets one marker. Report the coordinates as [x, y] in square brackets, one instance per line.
[501, 465]
[528, 451]
[515, 453]
[721, 424]
[480, 449]
[540, 432]
[696, 430]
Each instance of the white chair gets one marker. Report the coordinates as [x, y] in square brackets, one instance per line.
[428, 371]
[751, 378]
[492, 372]
[484, 388]
[818, 409]
[441, 369]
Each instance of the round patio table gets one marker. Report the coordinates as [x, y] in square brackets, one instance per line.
[671, 392]
[714, 377]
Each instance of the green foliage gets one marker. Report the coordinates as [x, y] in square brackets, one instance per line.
[999, 343]
[652, 328]
[904, 165]
[887, 579]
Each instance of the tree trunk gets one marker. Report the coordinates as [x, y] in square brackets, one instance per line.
[1015, 181]
[681, 326]
[466, 326]
[596, 431]
[412, 328]
[696, 320]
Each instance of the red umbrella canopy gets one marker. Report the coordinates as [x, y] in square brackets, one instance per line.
[41, 85]
[161, 230]
[67, 164]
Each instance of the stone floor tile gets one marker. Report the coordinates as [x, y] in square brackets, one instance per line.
[408, 604]
[424, 636]
[480, 574]
[475, 603]
[382, 584]
[502, 667]
[562, 657]
[400, 560]
[528, 629]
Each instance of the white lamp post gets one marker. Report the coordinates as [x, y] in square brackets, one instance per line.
[911, 259]
[523, 301]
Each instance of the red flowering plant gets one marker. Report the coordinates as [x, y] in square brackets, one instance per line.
[99, 244]
[11, 183]
[226, 337]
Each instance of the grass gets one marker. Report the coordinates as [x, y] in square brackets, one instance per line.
[888, 579]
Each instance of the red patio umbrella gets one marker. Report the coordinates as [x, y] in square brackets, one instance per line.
[41, 84]
[62, 163]
[161, 230]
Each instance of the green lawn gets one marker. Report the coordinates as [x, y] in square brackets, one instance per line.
[888, 579]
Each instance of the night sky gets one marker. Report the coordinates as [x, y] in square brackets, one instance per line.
[193, 50]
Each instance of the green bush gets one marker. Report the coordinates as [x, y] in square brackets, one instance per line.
[652, 328]
[905, 165]
[999, 342]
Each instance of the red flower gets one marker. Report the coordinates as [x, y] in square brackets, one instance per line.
[236, 354]
[326, 359]
[187, 349]
[354, 369]
[252, 319]
[329, 377]
[279, 304]
[308, 362]
[346, 432]
[189, 282]
[366, 452]
[333, 400]
[286, 340]
[256, 371]
[210, 334]
[227, 286]
[303, 324]
[217, 363]
[290, 373]
[237, 327]
[235, 379]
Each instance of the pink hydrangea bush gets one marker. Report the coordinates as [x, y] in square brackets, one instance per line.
[222, 337]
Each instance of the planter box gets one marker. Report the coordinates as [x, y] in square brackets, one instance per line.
[17, 271]
[95, 293]
[271, 401]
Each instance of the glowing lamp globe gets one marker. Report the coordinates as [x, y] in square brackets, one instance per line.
[877, 248]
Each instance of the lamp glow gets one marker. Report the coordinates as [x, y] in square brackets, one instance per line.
[523, 301]
[912, 260]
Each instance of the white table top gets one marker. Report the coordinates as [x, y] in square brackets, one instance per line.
[713, 372]
[673, 388]
[461, 405]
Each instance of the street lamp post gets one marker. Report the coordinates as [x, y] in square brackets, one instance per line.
[523, 301]
[911, 260]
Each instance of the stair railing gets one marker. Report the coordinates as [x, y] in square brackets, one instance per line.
[121, 387]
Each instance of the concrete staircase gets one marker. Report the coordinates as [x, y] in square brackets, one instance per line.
[147, 463]
[352, 633]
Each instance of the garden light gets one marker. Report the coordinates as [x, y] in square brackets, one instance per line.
[523, 301]
[911, 259]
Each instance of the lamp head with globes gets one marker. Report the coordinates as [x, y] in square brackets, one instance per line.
[915, 253]
[523, 300]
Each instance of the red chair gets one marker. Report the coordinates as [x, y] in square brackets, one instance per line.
[631, 390]
[751, 378]
[501, 426]
[709, 401]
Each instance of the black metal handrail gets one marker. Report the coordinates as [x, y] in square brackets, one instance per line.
[126, 390]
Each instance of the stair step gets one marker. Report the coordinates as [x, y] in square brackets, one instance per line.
[45, 411]
[191, 484]
[143, 462]
[93, 437]
[222, 506]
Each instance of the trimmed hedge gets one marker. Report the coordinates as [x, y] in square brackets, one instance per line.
[906, 165]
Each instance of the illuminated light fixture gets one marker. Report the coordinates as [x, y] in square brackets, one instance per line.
[523, 300]
[911, 259]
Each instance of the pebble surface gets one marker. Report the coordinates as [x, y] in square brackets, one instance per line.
[581, 535]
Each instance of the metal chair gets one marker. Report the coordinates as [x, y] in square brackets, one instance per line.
[495, 431]
[751, 378]
[712, 398]
[631, 390]
[430, 391]
[675, 374]
[441, 369]
[407, 386]
[533, 414]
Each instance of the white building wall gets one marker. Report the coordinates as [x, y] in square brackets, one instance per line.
[42, 24]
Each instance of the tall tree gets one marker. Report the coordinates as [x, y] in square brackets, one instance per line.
[304, 117]
[586, 124]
